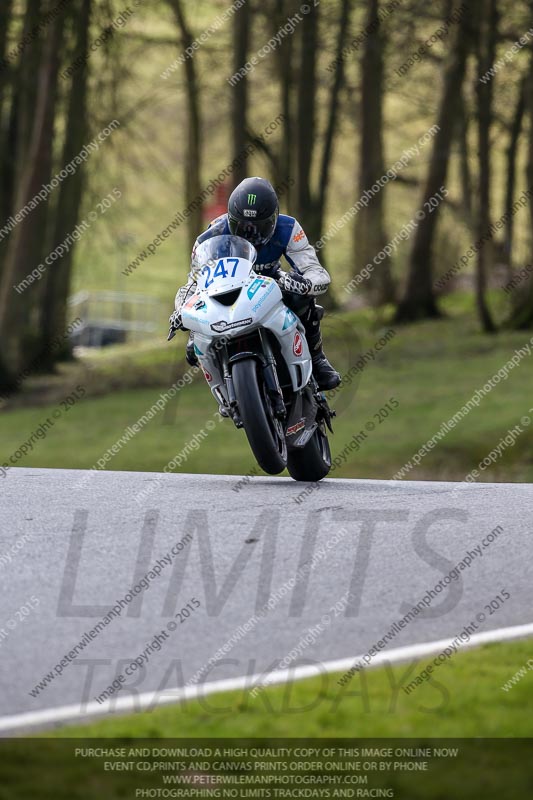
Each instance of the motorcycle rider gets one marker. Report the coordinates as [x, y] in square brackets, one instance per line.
[253, 214]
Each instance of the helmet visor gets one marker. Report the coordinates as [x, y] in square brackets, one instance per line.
[257, 232]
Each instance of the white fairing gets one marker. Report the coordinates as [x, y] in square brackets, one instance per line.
[259, 305]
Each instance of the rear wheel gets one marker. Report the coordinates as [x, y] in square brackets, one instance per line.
[312, 462]
[264, 432]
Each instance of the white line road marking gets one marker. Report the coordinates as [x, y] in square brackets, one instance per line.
[136, 703]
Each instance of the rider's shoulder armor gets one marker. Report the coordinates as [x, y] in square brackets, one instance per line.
[268, 259]
[270, 254]
[217, 227]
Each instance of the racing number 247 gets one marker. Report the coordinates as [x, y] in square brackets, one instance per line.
[220, 271]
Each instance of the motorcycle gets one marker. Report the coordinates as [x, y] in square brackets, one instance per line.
[255, 358]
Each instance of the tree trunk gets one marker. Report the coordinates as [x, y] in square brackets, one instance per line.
[239, 93]
[285, 68]
[25, 89]
[512, 153]
[70, 197]
[521, 317]
[193, 158]
[467, 205]
[370, 236]
[5, 22]
[419, 300]
[488, 21]
[333, 111]
[5, 155]
[14, 139]
[306, 130]
[20, 311]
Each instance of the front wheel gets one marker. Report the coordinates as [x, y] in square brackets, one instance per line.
[264, 432]
[312, 462]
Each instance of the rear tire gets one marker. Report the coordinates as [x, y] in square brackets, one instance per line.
[265, 434]
[312, 462]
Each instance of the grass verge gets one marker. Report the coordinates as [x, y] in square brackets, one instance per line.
[430, 370]
[463, 698]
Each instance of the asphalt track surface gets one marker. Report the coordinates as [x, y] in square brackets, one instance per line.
[351, 556]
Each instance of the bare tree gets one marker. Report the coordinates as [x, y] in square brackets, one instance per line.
[522, 313]
[307, 121]
[5, 83]
[70, 197]
[486, 47]
[311, 200]
[370, 236]
[20, 311]
[467, 191]
[193, 159]
[511, 159]
[5, 22]
[419, 300]
[239, 94]
[284, 56]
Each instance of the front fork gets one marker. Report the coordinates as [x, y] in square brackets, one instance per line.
[271, 379]
[268, 363]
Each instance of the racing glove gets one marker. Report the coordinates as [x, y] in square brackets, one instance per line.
[176, 324]
[294, 282]
[175, 320]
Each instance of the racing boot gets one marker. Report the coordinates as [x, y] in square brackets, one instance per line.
[325, 375]
[190, 355]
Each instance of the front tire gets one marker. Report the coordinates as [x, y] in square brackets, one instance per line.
[265, 433]
[312, 462]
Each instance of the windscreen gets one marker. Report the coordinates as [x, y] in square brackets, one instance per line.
[225, 247]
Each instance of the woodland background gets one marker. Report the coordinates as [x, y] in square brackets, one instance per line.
[347, 88]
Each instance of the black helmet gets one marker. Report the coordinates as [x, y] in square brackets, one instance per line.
[253, 211]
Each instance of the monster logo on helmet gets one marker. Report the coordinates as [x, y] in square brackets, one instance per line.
[256, 225]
